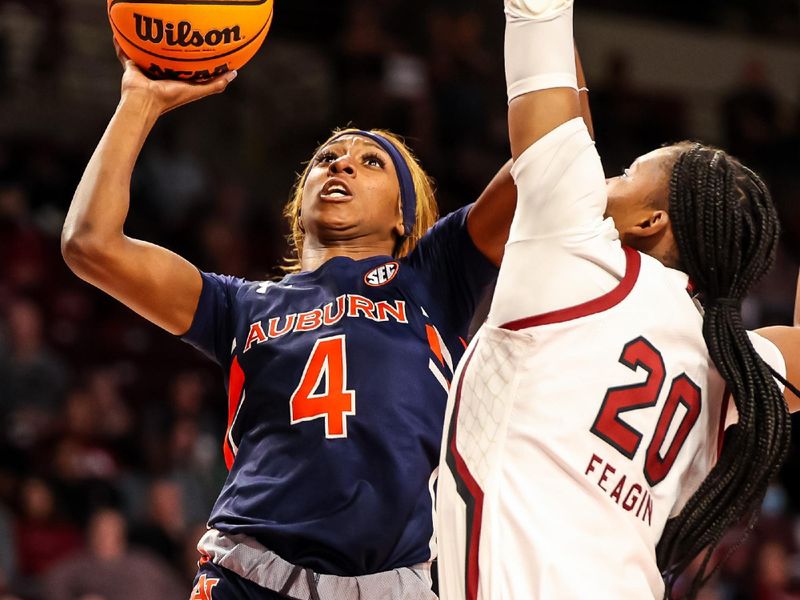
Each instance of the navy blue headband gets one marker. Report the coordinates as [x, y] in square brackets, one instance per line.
[408, 194]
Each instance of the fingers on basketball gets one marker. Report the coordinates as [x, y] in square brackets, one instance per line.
[217, 85]
[121, 56]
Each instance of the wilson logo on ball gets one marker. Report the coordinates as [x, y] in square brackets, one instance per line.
[191, 40]
[150, 29]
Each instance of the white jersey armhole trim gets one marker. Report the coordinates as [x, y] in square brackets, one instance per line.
[633, 264]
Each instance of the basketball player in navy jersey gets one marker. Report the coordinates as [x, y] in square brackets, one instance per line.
[337, 375]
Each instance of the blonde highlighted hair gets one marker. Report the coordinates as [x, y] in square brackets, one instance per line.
[426, 214]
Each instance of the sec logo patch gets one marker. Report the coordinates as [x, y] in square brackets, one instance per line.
[382, 275]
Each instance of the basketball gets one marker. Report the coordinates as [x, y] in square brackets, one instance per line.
[190, 40]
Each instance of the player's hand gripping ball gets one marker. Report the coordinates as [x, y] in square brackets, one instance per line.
[190, 40]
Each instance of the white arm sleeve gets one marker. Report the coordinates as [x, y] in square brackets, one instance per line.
[539, 47]
[561, 251]
[773, 357]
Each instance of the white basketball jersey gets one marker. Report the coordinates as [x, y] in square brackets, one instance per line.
[571, 438]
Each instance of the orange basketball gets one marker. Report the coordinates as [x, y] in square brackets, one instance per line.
[190, 39]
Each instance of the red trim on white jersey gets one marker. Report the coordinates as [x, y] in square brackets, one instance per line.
[633, 263]
[474, 499]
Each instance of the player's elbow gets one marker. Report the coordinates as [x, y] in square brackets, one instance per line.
[82, 251]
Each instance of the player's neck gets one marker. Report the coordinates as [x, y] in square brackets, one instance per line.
[662, 247]
[316, 255]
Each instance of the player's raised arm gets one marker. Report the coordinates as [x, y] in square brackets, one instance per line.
[156, 283]
[559, 244]
[540, 69]
[490, 217]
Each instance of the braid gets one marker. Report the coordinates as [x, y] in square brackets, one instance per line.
[726, 230]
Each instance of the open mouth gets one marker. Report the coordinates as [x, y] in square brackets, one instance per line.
[335, 190]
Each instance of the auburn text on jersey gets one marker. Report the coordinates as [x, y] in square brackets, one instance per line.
[346, 305]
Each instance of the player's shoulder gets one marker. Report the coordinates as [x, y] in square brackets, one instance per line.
[237, 289]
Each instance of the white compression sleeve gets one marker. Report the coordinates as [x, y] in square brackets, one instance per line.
[539, 48]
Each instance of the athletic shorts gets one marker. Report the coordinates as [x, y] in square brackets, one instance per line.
[236, 567]
[216, 583]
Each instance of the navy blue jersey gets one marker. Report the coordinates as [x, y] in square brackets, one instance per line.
[337, 384]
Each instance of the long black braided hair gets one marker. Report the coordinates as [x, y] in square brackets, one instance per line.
[726, 230]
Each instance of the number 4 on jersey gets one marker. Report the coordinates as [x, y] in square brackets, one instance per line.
[327, 369]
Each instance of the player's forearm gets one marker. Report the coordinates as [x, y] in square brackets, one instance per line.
[797, 304]
[540, 70]
[490, 219]
[100, 205]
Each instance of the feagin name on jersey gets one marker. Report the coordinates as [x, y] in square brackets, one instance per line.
[626, 493]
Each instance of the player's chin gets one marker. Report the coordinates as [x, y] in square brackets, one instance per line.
[337, 226]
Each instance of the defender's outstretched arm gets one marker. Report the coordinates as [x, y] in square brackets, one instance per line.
[490, 219]
[540, 69]
[559, 244]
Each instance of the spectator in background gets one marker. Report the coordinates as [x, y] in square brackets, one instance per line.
[461, 70]
[113, 418]
[8, 554]
[110, 570]
[51, 14]
[362, 50]
[163, 529]
[186, 399]
[772, 580]
[750, 119]
[194, 465]
[82, 432]
[758, 568]
[22, 244]
[224, 248]
[222, 225]
[32, 378]
[84, 466]
[460, 67]
[774, 544]
[786, 178]
[43, 536]
[629, 119]
[181, 438]
[169, 169]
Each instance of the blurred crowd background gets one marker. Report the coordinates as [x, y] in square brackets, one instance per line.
[110, 445]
